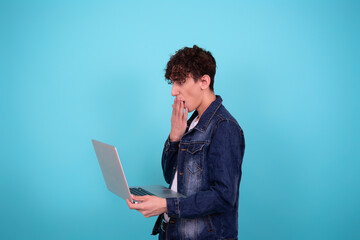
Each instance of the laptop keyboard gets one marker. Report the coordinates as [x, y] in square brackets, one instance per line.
[137, 191]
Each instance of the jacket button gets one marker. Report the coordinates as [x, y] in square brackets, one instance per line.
[181, 173]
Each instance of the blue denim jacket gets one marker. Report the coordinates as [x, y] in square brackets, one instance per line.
[208, 159]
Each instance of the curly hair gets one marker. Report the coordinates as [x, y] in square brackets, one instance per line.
[195, 62]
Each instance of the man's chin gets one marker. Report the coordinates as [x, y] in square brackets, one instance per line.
[190, 110]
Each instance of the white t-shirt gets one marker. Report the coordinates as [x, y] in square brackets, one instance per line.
[174, 182]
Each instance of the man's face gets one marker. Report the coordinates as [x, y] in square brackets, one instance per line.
[188, 91]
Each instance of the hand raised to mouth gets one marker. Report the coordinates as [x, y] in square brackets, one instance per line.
[178, 120]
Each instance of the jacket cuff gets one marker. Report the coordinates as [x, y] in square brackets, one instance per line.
[173, 209]
[171, 146]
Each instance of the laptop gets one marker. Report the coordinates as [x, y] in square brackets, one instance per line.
[115, 177]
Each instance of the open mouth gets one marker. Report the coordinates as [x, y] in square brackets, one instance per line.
[183, 101]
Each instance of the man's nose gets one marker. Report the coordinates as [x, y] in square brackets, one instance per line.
[174, 90]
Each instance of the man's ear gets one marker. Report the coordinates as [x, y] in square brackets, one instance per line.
[205, 82]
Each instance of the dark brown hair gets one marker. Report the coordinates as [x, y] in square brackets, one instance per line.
[194, 62]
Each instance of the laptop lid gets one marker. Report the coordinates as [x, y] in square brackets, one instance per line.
[111, 169]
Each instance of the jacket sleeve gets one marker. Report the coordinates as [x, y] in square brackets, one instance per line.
[224, 158]
[169, 159]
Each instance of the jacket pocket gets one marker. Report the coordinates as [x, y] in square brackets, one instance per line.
[195, 157]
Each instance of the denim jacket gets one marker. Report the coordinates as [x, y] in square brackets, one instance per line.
[208, 159]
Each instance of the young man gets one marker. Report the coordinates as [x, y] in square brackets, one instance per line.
[202, 156]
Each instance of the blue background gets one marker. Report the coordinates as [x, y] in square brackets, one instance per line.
[75, 70]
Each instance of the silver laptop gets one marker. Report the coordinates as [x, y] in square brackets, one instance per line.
[115, 178]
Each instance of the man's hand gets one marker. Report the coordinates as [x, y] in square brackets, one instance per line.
[148, 205]
[178, 120]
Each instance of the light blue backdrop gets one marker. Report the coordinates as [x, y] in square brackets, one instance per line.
[75, 70]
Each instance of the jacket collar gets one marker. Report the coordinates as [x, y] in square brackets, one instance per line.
[207, 115]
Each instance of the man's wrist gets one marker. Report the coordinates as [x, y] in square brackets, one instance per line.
[164, 205]
[173, 139]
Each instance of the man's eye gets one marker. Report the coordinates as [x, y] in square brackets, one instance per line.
[177, 82]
